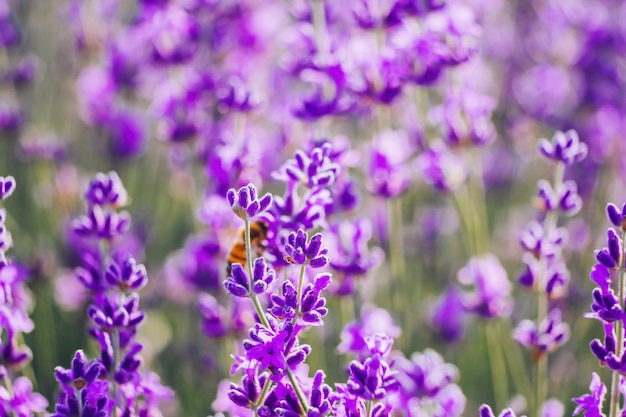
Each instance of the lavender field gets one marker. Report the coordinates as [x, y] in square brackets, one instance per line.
[312, 208]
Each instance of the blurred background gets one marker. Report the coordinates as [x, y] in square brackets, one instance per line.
[187, 98]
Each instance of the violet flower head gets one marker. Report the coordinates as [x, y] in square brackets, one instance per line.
[21, 401]
[301, 250]
[442, 169]
[213, 316]
[106, 189]
[591, 403]
[312, 305]
[564, 147]
[102, 224]
[388, 172]
[117, 314]
[372, 378]
[314, 170]
[83, 372]
[233, 95]
[428, 383]
[617, 216]
[565, 198]
[447, 316]
[612, 255]
[129, 276]
[249, 392]
[240, 284]
[172, 34]
[551, 334]
[7, 186]
[492, 291]
[245, 203]
[373, 320]
[605, 306]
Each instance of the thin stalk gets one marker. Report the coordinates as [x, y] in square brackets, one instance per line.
[497, 366]
[368, 408]
[264, 391]
[300, 284]
[514, 360]
[304, 404]
[541, 373]
[619, 329]
[255, 300]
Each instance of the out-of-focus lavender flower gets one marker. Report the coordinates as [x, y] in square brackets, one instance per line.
[551, 334]
[552, 408]
[564, 147]
[213, 316]
[314, 170]
[441, 168]
[428, 383]
[21, 401]
[447, 316]
[245, 203]
[11, 116]
[23, 72]
[7, 186]
[97, 95]
[466, 119]
[117, 314]
[172, 33]
[127, 134]
[105, 226]
[349, 254]
[492, 296]
[592, 403]
[373, 320]
[232, 95]
[389, 174]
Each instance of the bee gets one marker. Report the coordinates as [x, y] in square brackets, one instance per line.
[258, 241]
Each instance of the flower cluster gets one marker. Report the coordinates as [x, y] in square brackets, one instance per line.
[114, 381]
[16, 391]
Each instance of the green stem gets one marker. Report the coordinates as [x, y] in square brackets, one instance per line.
[255, 300]
[300, 284]
[264, 391]
[304, 405]
[368, 408]
[619, 329]
[514, 359]
[497, 366]
[541, 372]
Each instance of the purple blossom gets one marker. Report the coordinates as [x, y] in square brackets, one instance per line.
[239, 283]
[245, 203]
[441, 168]
[611, 256]
[232, 95]
[127, 276]
[117, 313]
[97, 95]
[314, 170]
[616, 216]
[591, 404]
[83, 372]
[21, 402]
[101, 224]
[373, 320]
[492, 291]
[389, 174]
[106, 189]
[564, 147]
[302, 250]
[7, 186]
[550, 334]
[213, 316]
[372, 379]
[447, 316]
[605, 306]
[172, 33]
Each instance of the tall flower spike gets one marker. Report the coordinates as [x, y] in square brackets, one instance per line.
[106, 189]
[245, 203]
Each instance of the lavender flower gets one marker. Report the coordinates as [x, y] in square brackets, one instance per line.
[564, 147]
[314, 170]
[301, 250]
[591, 404]
[544, 339]
[442, 169]
[616, 216]
[492, 296]
[240, 284]
[7, 186]
[485, 411]
[245, 203]
[106, 190]
[22, 401]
